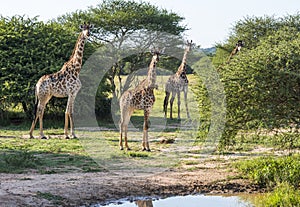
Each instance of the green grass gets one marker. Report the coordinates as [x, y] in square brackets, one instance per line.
[94, 151]
[191, 162]
[56, 199]
[284, 195]
[270, 171]
[44, 156]
[280, 175]
[100, 148]
[20, 160]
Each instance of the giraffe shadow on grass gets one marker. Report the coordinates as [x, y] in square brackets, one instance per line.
[158, 124]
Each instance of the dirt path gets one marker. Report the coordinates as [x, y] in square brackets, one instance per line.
[209, 174]
[84, 189]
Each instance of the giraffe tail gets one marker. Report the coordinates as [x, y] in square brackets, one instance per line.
[166, 102]
[35, 104]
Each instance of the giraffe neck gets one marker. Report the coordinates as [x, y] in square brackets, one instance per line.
[183, 62]
[77, 54]
[152, 73]
[234, 52]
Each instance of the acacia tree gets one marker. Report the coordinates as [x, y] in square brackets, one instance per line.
[262, 82]
[128, 25]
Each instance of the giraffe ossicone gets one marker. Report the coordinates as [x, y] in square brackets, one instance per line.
[64, 83]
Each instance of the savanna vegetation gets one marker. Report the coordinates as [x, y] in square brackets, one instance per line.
[261, 83]
[256, 98]
[262, 94]
[31, 48]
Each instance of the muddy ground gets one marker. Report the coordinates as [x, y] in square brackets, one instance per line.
[86, 189]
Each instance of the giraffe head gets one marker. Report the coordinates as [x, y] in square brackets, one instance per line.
[189, 45]
[86, 29]
[156, 53]
[239, 45]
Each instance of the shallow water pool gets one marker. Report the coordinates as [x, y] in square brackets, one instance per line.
[185, 201]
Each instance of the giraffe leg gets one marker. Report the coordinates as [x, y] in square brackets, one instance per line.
[32, 127]
[145, 131]
[124, 121]
[125, 137]
[121, 123]
[171, 105]
[41, 115]
[66, 125]
[186, 103]
[123, 129]
[35, 114]
[166, 103]
[127, 119]
[72, 130]
[178, 104]
[35, 118]
[69, 116]
[121, 134]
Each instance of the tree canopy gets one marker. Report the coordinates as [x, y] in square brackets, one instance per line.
[262, 82]
[114, 19]
[30, 48]
[127, 27]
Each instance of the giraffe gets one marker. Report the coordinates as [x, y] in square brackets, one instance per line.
[141, 98]
[64, 83]
[176, 84]
[237, 48]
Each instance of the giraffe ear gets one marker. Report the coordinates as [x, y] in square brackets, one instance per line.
[162, 50]
[91, 26]
[189, 42]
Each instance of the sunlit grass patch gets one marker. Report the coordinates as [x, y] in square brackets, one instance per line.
[284, 195]
[55, 199]
[271, 171]
[190, 162]
[44, 156]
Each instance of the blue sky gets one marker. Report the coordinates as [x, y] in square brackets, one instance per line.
[209, 21]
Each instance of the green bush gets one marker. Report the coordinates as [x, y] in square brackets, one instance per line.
[261, 82]
[29, 49]
[284, 195]
[287, 140]
[269, 171]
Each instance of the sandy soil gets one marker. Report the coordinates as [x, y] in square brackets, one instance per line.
[85, 189]
[210, 175]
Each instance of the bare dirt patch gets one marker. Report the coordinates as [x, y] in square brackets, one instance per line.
[85, 189]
